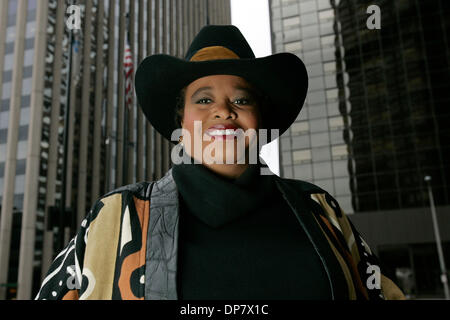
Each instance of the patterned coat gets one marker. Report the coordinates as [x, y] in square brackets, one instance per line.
[127, 245]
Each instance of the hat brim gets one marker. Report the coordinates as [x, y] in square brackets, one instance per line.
[281, 77]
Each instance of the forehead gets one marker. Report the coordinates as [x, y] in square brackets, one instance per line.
[219, 81]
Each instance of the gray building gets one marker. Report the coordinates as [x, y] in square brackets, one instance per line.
[63, 120]
[375, 122]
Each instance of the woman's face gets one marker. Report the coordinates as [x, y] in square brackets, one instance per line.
[220, 104]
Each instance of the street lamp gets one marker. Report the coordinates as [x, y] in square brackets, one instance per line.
[438, 240]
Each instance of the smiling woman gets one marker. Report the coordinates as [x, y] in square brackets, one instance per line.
[218, 230]
[224, 110]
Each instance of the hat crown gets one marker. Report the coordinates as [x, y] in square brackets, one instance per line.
[227, 36]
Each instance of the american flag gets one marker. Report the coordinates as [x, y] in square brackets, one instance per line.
[128, 69]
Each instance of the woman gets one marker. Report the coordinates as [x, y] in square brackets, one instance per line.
[215, 227]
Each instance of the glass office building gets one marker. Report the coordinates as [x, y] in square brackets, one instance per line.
[375, 122]
[314, 148]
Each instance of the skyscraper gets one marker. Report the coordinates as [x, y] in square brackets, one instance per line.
[62, 117]
[375, 121]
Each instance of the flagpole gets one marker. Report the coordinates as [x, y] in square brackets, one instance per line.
[207, 12]
[125, 112]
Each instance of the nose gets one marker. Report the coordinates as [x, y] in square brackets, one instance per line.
[224, 110]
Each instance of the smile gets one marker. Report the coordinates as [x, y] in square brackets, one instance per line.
[226, 134]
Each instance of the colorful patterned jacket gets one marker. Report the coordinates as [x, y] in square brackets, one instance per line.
[127, 245]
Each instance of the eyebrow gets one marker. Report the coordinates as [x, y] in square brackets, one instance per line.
[247, 90]
[200, 90]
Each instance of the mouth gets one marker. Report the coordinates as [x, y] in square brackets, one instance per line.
[222, 132]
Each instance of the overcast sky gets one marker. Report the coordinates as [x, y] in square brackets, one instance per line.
[252, 18]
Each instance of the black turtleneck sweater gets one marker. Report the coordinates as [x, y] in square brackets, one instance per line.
[239, 239]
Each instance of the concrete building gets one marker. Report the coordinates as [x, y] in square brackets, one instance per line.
[63, 110]
[375, 122]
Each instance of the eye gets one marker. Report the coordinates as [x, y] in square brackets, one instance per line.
[242, 101]
[204, 101]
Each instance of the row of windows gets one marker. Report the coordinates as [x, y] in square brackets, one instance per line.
[20, 167]
[18, 199]
[21, 150]
[28, 60]
[308, 19]
[27, 73]
[25, 103]
[302, 127]
[23, 134]
[313, 31]
[293, 7]
[9, 46]
[338, 152]
[19, 185]
[315, 140]
[311, 44]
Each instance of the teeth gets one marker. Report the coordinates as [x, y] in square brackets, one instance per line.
[221, 132]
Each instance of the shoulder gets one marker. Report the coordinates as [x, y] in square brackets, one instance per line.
[300, 185]
[139, 189]
[313, 192]
[118, 198]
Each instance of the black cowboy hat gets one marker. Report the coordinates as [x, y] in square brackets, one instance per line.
[281, 78]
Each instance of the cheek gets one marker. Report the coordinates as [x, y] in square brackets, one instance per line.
[189, 118]
[251, 120]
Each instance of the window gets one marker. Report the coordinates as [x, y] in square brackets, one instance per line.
[329, 67]
[311, 44]
[22, 149]
[316, 83]
[289, 11]
[318, 125]
[310, 31]
[291, 35]
[303, 171]
[326, 185]
[293, 46]
[322, 170]
[326, 15]
[307, 6]
[330, 81]
[316, 97]
[339, 152]
[309, 18]
[299, 127]
[286, 158]
[19, 186]
[317, 111]
[302, 156]
[2, 152]
[290, 22]
[315, 70]
[4, 118]
[332, 94]
[312, 57]
[320, 139]
[340, 168]
[327, 40]
[321, 154]
[342, 186]
[336, 123]
[300, 142]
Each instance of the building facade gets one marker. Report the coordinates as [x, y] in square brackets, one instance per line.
[375, 122]
[63, 118]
